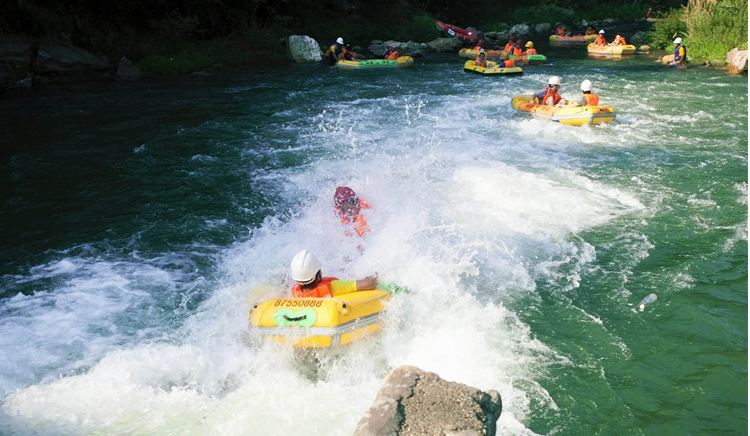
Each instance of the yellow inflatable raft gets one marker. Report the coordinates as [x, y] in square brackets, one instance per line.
[491, 69]
[571, 115]
[320, 322]
[611, 50]
[376, 64]
[573, 39]
[535, 59]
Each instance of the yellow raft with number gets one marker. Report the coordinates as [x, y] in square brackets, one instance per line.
[321, 322]
[611, 50]
[571, 115]
[491, 69]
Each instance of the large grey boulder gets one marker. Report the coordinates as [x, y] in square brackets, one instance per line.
[440, 45]
[737, 61]
[413, 402]
[127, 71]
[520, 29]
[302, 48]
[57, 56]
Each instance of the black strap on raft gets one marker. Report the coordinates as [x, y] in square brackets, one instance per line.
[297, 319]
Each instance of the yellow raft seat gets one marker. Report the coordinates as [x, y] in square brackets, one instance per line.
[571, 115]
[321, 322]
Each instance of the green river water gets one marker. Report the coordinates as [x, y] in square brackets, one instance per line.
[137, 217]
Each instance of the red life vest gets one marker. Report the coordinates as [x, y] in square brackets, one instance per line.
[392, 56]
[321, 291]
[560, 32]
[550, 93]
[591, 99]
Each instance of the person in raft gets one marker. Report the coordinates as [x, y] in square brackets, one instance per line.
[481, 60]
[391, 54]
[589, 98]
[336, 51]
[312, 284]
[349, 209]
[619, 40]
[479, 46]
[590, 31]
[530, 50]
[600, 39]
[348, 53]
[506, 62]
[549, 95]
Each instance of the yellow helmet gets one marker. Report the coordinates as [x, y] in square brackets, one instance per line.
[529, 44]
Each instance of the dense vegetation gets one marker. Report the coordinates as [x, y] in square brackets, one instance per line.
[174, 36]
[709, 28]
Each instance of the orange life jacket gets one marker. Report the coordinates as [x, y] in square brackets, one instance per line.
[550, 93]
[590, 32]
[517, 51]
[392, 56]
[322, 290]
[591, 99]
[560, 32]
[359, 223]
[477, 48]
[600, 40]
[531, 51]
[620, 41]
[509, 63]
[480, 62]
[508, 47]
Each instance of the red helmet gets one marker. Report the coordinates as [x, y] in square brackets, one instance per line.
[343, 193]
[481, 42]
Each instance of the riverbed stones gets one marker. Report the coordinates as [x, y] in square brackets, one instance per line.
[414, 402]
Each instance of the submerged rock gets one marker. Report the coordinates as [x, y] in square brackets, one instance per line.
[414, 402]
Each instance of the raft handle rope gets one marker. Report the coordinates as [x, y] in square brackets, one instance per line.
[295, 319]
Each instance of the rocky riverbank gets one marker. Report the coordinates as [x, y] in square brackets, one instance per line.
[27, 62]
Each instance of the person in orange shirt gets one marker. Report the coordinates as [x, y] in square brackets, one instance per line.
[481, 60]
[349, 207]
[589, 98]
[619, 40]
[306, 272]
[530, 50]
[506, 62]
[600, 39]
[509, 45]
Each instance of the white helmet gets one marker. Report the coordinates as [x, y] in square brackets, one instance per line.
[554, 80]
[586, 85]
[678, 40]
[340, 40]
[305, 266]
[601, 31]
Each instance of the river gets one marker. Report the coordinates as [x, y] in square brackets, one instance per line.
[137, 218]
